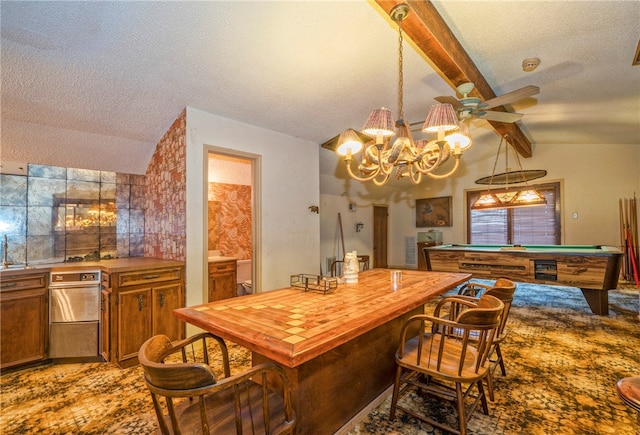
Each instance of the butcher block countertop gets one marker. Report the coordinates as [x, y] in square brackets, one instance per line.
[110, 266]
[292, 326]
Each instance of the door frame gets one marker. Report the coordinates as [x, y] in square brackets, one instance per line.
[256, 212]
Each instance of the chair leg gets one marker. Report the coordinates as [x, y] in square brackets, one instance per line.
[396, 393]
[500, 360]
[490, 386]
[483, 398]
[462, 417]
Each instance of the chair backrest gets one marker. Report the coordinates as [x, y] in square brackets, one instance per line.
[504, 290]
[455, 347]
[240, 403]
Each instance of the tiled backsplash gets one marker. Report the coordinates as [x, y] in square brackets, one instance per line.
[57, 214]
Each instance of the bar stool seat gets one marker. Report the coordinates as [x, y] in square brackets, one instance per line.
[629, 392]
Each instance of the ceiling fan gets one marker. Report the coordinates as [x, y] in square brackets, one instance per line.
[468, 107]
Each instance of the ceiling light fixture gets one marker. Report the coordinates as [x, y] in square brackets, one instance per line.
[506, 197]
[405, 157]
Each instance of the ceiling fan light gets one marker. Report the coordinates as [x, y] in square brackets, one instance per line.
[380, 123]
[348, 143]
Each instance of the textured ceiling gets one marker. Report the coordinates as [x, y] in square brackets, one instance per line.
[96, 84]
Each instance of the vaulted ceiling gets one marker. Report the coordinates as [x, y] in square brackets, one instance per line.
[96, 84]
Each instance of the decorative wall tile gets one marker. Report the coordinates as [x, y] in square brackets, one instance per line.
[40, 221]
[136, 245]
[123, 244]
[13, 220]
[46, 171]
[136, 221]
[83, 175]
[82, 190]
[107, 177]
[41, 249]
[107, 191]
[13, 190]
[43, 191]
[165, 201]
[17, 251]
[137, 196]
[122, 224]
[123, 192]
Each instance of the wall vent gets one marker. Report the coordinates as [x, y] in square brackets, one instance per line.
[410, 251]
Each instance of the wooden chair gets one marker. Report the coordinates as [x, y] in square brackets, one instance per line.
[447, 358]
[504, 290]
[199, 403]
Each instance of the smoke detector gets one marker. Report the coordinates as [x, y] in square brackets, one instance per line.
[530, 64]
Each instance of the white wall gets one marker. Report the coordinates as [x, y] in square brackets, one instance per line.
[288, 183]
[594, 178]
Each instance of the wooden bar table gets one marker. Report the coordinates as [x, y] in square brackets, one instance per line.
[337, 348]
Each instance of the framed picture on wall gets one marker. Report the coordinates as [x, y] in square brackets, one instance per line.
[433, 212]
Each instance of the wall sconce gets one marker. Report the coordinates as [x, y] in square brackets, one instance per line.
[359, 227]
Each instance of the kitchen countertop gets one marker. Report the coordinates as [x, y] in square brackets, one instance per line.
[109, 266]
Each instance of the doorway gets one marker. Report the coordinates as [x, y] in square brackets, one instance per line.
[231, 212]
[380, 234]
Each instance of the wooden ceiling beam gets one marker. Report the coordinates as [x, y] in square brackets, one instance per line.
[432, 36]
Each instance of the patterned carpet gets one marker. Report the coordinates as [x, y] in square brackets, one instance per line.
[562, 366]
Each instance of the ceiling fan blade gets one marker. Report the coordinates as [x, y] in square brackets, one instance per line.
[450, 100]
[510, 97]
[507, 117]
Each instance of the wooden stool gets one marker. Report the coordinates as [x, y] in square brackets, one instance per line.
[629, 392]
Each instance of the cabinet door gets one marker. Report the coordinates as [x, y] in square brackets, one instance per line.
[24, 328]
[134, 323]
[222, 286]
[105, 318]
[166, 299]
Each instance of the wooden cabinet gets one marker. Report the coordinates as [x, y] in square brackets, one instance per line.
[222, 280]
[142, 304]
[24, 319]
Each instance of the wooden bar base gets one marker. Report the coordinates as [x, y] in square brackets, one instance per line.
[332, 388]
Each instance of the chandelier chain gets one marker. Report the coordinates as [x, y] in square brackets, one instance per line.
[400, 73]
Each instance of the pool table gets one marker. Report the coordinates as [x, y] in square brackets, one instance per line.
[592, 268]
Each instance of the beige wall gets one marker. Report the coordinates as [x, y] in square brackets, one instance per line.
[288, 183]
[594, 178]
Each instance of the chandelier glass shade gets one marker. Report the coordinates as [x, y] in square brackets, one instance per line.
[506, 197]
[381, 157]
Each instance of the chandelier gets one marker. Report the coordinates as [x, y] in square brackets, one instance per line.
[404, 157]
[509, 197]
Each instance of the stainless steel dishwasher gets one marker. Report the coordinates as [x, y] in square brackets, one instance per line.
[74, 328]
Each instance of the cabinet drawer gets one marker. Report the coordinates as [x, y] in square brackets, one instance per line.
[148, 276]
[222, 267]
[23, 282]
